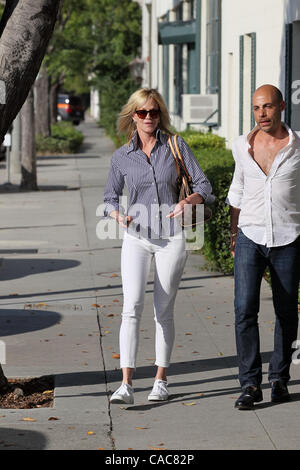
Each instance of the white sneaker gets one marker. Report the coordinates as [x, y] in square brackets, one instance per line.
[159, 391]
[124, 394]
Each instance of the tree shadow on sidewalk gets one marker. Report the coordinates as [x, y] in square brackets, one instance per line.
[21, 439]
[13, 268]
[14, 322]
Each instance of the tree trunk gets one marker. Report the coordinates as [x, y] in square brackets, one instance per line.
[25, 29]
[28, 26]
[28, 159]
[3, 381]
[53, 102]
[41, 103]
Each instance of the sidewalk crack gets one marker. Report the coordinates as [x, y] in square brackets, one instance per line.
[112, 440]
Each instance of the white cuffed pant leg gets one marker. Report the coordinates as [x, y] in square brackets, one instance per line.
[170, 258]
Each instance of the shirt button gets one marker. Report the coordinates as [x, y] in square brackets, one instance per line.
[154, 200]
[152, 184]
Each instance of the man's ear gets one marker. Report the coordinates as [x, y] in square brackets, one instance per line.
[282, 106]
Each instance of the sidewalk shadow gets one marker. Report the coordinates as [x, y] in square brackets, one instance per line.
[66, 157]
[21, 439]
[14, 188]
[14, 322]
[17, 268]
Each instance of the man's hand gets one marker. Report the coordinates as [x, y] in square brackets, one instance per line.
[234, 219]
[232, 243]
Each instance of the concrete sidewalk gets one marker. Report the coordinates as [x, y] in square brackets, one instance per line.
[60, 306]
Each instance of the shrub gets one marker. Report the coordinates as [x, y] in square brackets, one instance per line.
[64, 139]
[200, 140]
[218, 164]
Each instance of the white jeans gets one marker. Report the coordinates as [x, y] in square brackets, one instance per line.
[170, 258]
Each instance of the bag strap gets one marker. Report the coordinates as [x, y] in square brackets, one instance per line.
[175, 157]
[181, 159]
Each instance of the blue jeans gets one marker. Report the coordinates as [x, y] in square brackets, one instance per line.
[250, 263]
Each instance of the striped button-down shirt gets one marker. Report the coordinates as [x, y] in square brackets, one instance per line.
[151, 184]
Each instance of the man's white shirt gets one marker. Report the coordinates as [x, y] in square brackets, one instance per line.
[269, 204]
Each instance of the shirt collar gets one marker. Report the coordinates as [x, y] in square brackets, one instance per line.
[256, 128]
[133, 144]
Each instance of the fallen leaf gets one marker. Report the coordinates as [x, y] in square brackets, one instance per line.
[95, 305]
[140, 428]
[116, 300]
[90, 433]
[114, 275]
[220, 354]
[28, 419]
[53, 418]
[47, 391]
[116, 356]
[189, 404]
[157, 448]
[188, 334]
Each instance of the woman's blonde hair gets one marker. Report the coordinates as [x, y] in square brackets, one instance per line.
[125, 123]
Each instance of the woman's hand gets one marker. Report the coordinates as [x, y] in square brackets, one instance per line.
[122, 220]
[179, 209]
[194, 198]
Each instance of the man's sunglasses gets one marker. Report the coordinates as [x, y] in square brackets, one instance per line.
[142, 113]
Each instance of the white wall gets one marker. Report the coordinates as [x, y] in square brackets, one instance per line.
[266, 19]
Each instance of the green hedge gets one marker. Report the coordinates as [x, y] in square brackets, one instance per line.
[64, 139]
[218, 164]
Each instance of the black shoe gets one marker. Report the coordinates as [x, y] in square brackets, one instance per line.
[249, 396]
[279, 393]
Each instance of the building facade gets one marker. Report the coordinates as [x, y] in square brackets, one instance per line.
[207, 57]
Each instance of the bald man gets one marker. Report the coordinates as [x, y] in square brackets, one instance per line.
[265, 232]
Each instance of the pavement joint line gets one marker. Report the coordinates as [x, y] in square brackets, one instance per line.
[101, 358]
[110, 434]
[266, 431]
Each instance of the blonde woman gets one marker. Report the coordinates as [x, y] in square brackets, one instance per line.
[147, 167]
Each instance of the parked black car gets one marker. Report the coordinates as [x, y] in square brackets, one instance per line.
[2, 152]
[70, 108]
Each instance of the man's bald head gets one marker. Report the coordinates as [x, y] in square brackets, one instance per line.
[268, 105]
[270, 90]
